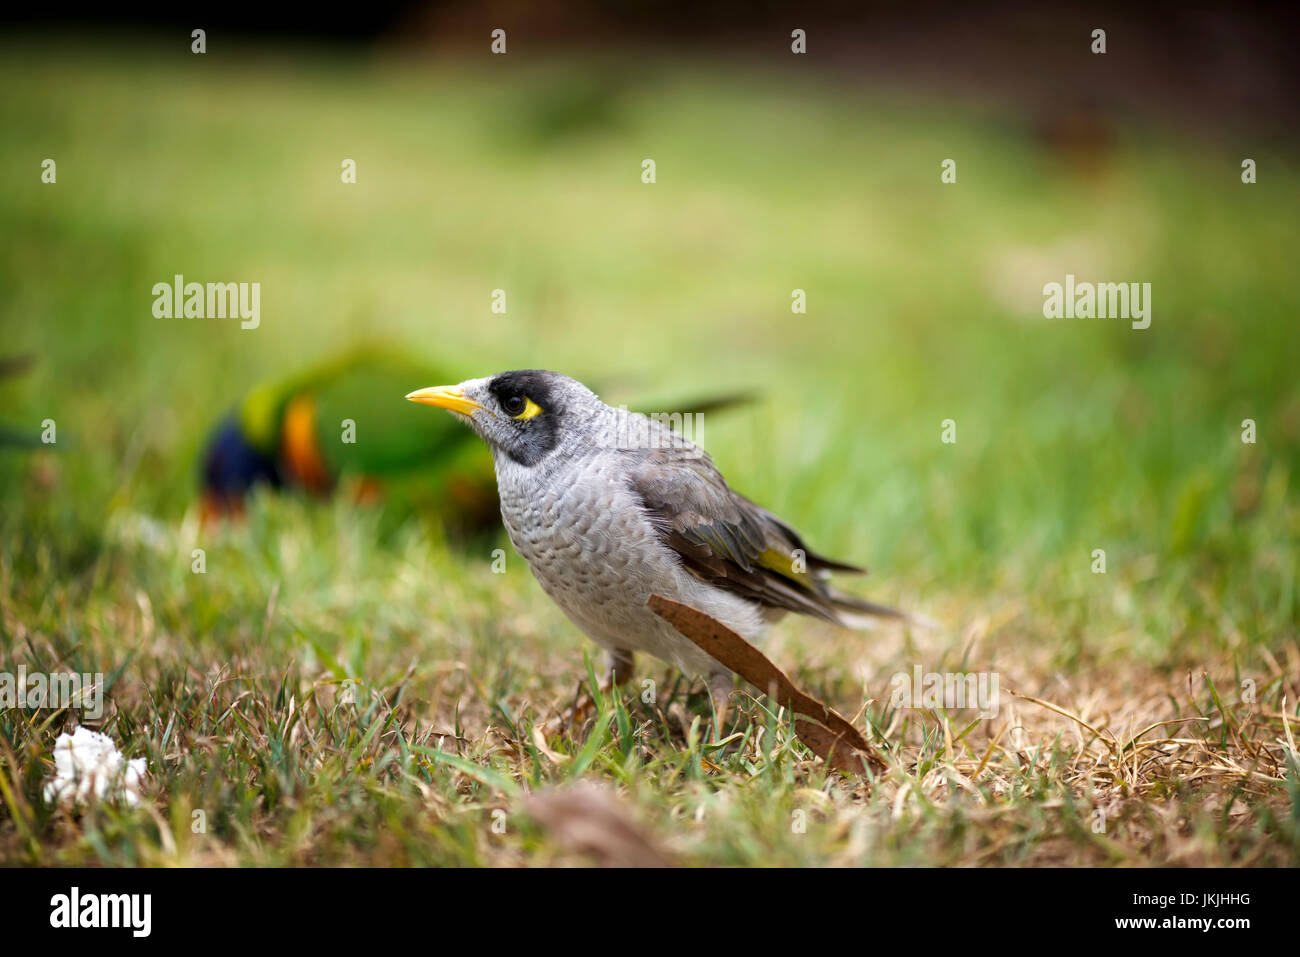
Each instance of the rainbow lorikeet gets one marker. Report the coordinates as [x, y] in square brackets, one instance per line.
[344, 421]
[339, 419]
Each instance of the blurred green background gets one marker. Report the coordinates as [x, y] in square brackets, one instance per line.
[924, 304]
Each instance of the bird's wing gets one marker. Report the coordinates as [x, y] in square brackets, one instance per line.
[727, 540]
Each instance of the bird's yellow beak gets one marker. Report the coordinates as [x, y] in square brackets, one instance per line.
[445, 397]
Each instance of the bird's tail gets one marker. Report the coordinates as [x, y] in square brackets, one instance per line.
[858, 613]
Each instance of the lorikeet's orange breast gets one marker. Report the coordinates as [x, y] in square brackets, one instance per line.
[300, 451]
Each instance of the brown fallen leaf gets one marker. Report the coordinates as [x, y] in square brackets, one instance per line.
[590, 820]
[830, 735]
[840, 754]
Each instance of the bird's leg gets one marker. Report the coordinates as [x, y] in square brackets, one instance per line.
[721, 684]
[621, 664]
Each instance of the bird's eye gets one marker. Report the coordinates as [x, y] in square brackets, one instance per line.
[521, 407]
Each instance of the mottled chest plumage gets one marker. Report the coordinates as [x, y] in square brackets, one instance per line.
[580, 532]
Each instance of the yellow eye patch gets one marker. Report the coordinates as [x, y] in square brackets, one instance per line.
[531, 409]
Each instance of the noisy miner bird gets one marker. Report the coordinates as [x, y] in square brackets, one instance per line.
[609, 507]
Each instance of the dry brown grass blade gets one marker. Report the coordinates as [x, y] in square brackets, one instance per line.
[837, 736]
[988, 753]
[1286, 726]
[1105, 738]
[539, 742]
[1159, 724]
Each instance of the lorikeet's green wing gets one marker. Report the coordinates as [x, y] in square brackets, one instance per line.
[340, 417]
[362, 428]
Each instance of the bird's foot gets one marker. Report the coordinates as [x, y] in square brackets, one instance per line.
[721, 684]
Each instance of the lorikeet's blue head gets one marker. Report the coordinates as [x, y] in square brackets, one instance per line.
[231, 467]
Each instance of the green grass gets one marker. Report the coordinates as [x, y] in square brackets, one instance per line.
[924, 305]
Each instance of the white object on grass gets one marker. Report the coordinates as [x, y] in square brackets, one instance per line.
[87, 762]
